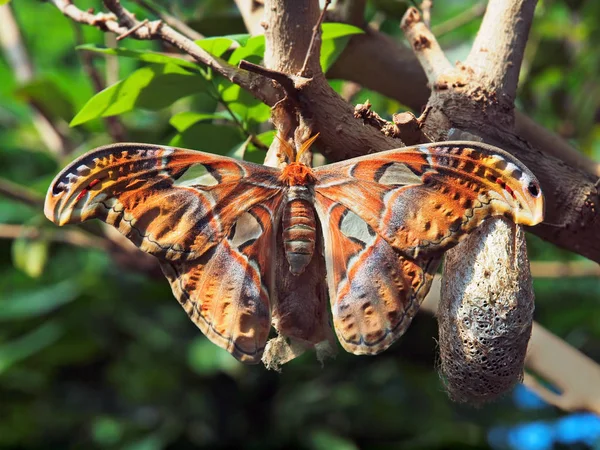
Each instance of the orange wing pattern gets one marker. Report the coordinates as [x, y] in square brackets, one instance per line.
[209, 219]
[424, 199]
[226, 291]
[172, 203]
[374, 291]
[387, 218]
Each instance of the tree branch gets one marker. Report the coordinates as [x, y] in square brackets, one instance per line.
[428, 52]
[498, 50]
[459, 100]
[397, 68]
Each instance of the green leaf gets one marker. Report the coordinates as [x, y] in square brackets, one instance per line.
[107, 431]
[333, 30]
[239, 151]
[241, 38]
[242, 103]
[4, 2]
[207, 137]
[215, 45]
[20, 348]
[37, 302]
[255, 46]
[183, 120]
[335, 38]
[152, 87]
[30, 255]
[149, 57]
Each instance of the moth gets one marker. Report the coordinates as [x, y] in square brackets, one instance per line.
[382, 221]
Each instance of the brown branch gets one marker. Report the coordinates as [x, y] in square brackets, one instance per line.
[576, 376]
[351, 11]
[498, 50]
[428, 51]
[172, 21]
[560, 269]
[113, 124]
[460, 100]
[252, 14]
[426, 6]
[400, 76]
[73, 236]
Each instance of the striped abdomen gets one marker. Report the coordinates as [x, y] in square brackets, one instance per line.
[299, 229]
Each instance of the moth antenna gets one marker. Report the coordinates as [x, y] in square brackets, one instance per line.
[306, 145]
[287, 148]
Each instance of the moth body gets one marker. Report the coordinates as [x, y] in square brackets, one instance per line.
[299, 228]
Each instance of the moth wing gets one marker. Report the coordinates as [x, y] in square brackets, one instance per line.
[209, 219]
[426, 198]
[227, 291]
[173, 203]
[374, 291]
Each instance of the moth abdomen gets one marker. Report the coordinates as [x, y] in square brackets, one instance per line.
[299, 233]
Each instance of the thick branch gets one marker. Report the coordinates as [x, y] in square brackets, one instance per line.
[459, 100]
[399, 76]
[499, 47]
[290, 22]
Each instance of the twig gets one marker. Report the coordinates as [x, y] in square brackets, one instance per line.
[498, 50]
[16, 192]
[72, 236]
[172, 21]
[314, 52]
[426, 48]
[113, 124]
[252, 14]
[121, 21]
[426, 6]
[133, 29]
[559, 269]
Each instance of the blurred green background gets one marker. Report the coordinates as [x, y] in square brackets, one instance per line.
[94, 350]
